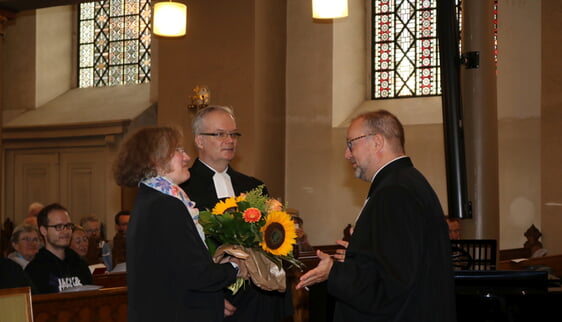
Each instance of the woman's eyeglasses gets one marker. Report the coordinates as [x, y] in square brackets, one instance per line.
[30, 240]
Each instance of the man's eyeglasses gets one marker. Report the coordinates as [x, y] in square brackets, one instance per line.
[30, 240]
[180, 150]
[60, 227]
[223, 135]
[349, 142]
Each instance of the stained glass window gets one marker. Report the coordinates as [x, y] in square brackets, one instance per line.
[405, 50]
[114, 43]
[496, 34]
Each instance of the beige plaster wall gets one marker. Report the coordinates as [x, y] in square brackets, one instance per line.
[519, 174]
[551, 126]
[38, 52]
[519, 83]
[237, 49]
[320, 182]
[54, 53]
[324, 189]
[18, 91]
[287, 80]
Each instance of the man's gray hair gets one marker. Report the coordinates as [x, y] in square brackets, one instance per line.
[197, 124]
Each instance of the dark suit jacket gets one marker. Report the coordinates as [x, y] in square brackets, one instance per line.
[398, 263]
[252, 303]
[170, 273]
[201, 188]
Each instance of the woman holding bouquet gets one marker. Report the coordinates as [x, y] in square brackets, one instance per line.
[182, 285]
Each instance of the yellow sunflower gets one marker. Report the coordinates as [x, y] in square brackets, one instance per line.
[279, 233]
[223, 206]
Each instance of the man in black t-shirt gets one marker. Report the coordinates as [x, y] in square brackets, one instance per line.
[56, 267]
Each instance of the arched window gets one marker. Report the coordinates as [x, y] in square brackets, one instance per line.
[114, 43]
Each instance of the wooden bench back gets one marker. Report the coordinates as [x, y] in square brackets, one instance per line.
[106, 304]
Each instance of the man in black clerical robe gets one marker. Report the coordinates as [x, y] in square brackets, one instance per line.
[212, 179]
[398, 263]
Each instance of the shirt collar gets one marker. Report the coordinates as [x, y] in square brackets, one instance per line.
[215, 171]
[389, 162]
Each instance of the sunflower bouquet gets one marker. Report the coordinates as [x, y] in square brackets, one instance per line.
[256, 229]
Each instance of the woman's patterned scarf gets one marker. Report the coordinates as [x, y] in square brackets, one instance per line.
[166, 187]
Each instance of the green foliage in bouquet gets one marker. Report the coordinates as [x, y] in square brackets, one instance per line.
[252, 220]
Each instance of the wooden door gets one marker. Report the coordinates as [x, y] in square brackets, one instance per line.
[74, 177]
[35, 177]
[83, 183]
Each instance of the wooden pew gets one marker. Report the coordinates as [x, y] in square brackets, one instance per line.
[111, 279]
[315, 304]
[514, 253]
[553, 262]
[106, 304]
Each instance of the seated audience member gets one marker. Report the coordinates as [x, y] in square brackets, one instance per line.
[79, 241]
[302, 239]
[12, 275]
[119, 240]
[32, 211]
[454, 228]
[56, 267]
[98, 249]
[26, 243]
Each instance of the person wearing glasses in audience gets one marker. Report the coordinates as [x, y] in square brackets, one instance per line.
[56, 267]
[99, 251]
[26, 242]
[213, 179]
[170, 273]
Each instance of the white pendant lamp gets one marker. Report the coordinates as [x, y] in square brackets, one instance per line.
[329, 9]
[169, 19]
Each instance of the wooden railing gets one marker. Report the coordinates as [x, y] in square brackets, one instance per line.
[111, 279]
[552, 263]
[514, 253]
[106, 304]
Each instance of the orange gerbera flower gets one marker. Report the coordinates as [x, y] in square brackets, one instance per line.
[251, 215]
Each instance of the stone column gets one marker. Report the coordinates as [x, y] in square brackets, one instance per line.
[478, 88]
[551, 130]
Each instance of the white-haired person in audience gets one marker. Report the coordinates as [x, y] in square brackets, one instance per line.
[32, 212]
[26, 242]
